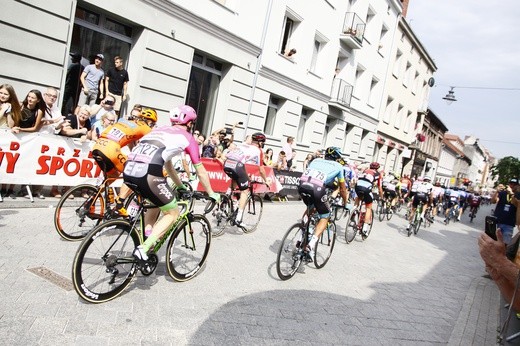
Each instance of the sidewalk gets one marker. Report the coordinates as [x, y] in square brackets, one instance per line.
[478, 320]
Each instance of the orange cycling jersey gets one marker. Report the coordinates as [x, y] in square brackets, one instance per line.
[126, 131]
[109, 144]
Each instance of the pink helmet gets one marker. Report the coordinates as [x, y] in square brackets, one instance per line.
[182, 115]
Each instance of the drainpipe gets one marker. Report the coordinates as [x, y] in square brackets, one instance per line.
[258, 64]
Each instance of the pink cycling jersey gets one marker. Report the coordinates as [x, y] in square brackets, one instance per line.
[163, 143]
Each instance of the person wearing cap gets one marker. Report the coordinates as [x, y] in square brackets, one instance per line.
[72, 84]
[505, 210]
[91, 82]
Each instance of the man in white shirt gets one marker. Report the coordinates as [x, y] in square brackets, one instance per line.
[288, 149]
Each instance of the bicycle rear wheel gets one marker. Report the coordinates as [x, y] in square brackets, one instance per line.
[290, 252]
[104, 266]
[352, 226]
[381, 210]
[188, 247]
[324, 246]
[252, 213]
[220, 217]
[389, 212]
[417, 226]
[75, 217]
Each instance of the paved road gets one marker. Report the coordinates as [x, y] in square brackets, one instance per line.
[388, 290]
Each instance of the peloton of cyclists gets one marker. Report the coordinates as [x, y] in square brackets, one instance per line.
[422, 194]
[369, 179]
[315, 182]
[144, 170]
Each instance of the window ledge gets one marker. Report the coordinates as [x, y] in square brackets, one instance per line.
[225, 7]
[288, 58]
[314, 74]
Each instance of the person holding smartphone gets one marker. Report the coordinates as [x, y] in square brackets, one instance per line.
[505, 210]
[500, 268]
[106, 106]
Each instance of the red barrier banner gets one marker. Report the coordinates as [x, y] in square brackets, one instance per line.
[220, 180]
[43, 159]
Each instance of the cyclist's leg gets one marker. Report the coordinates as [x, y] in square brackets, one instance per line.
[237, 172]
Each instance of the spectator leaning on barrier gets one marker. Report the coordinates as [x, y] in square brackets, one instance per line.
[52, 118]
[9, 105]
[33, 108]
[78, 126]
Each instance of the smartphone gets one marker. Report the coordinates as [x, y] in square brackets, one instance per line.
[240, 123]
[229, 131]
[491, 226]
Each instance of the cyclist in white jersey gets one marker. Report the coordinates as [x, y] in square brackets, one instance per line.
[234, 167]
[423, 194]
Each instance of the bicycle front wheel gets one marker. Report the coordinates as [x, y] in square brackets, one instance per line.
[188, 247]
[324, 246]
[104, 266]
[290, 252]
[252, 213]
[75, 216]
[352, 227]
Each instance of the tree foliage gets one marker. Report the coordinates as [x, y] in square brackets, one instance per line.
[507, 167]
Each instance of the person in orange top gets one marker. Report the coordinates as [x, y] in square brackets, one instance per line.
[107, 150]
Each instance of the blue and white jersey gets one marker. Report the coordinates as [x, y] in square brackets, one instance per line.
[323, 172]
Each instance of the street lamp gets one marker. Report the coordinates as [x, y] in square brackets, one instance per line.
[450, 96]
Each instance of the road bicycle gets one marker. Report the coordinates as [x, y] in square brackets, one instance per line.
[452, 214]
[104, 264]
[385, 209]
[89, 205]
[473, 213]
[417, 220]
[225, 212]
[294, 250]
[356, 222]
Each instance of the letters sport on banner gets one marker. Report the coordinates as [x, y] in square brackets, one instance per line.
[43, 159]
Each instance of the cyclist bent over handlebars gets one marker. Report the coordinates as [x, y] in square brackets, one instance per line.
[321, 174]
[145, 164]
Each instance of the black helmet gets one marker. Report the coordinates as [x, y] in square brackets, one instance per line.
[332, 153]
[258, 137]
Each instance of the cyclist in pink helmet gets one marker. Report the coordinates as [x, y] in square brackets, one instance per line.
[144, 170]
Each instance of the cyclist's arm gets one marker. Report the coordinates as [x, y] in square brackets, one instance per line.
[202, 174]
[172, 173]
[263, 175]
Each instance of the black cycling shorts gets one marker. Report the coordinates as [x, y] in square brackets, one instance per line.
[364, 193]
[390, 194]
[149, 182]
[313, 195]
[237, 172]
[419, 197]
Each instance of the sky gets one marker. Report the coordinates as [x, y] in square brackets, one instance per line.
[474, 44]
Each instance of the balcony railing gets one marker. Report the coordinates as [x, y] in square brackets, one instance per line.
[353, 30]
[341, 92]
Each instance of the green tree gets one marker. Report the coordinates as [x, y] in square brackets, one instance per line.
[507, 167]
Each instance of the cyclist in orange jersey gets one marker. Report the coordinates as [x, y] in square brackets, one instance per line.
[107, 150]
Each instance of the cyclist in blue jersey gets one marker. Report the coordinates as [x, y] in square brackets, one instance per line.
[316, 181]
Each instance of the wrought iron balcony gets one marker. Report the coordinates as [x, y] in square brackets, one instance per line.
[353, 30]
[341, 92]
